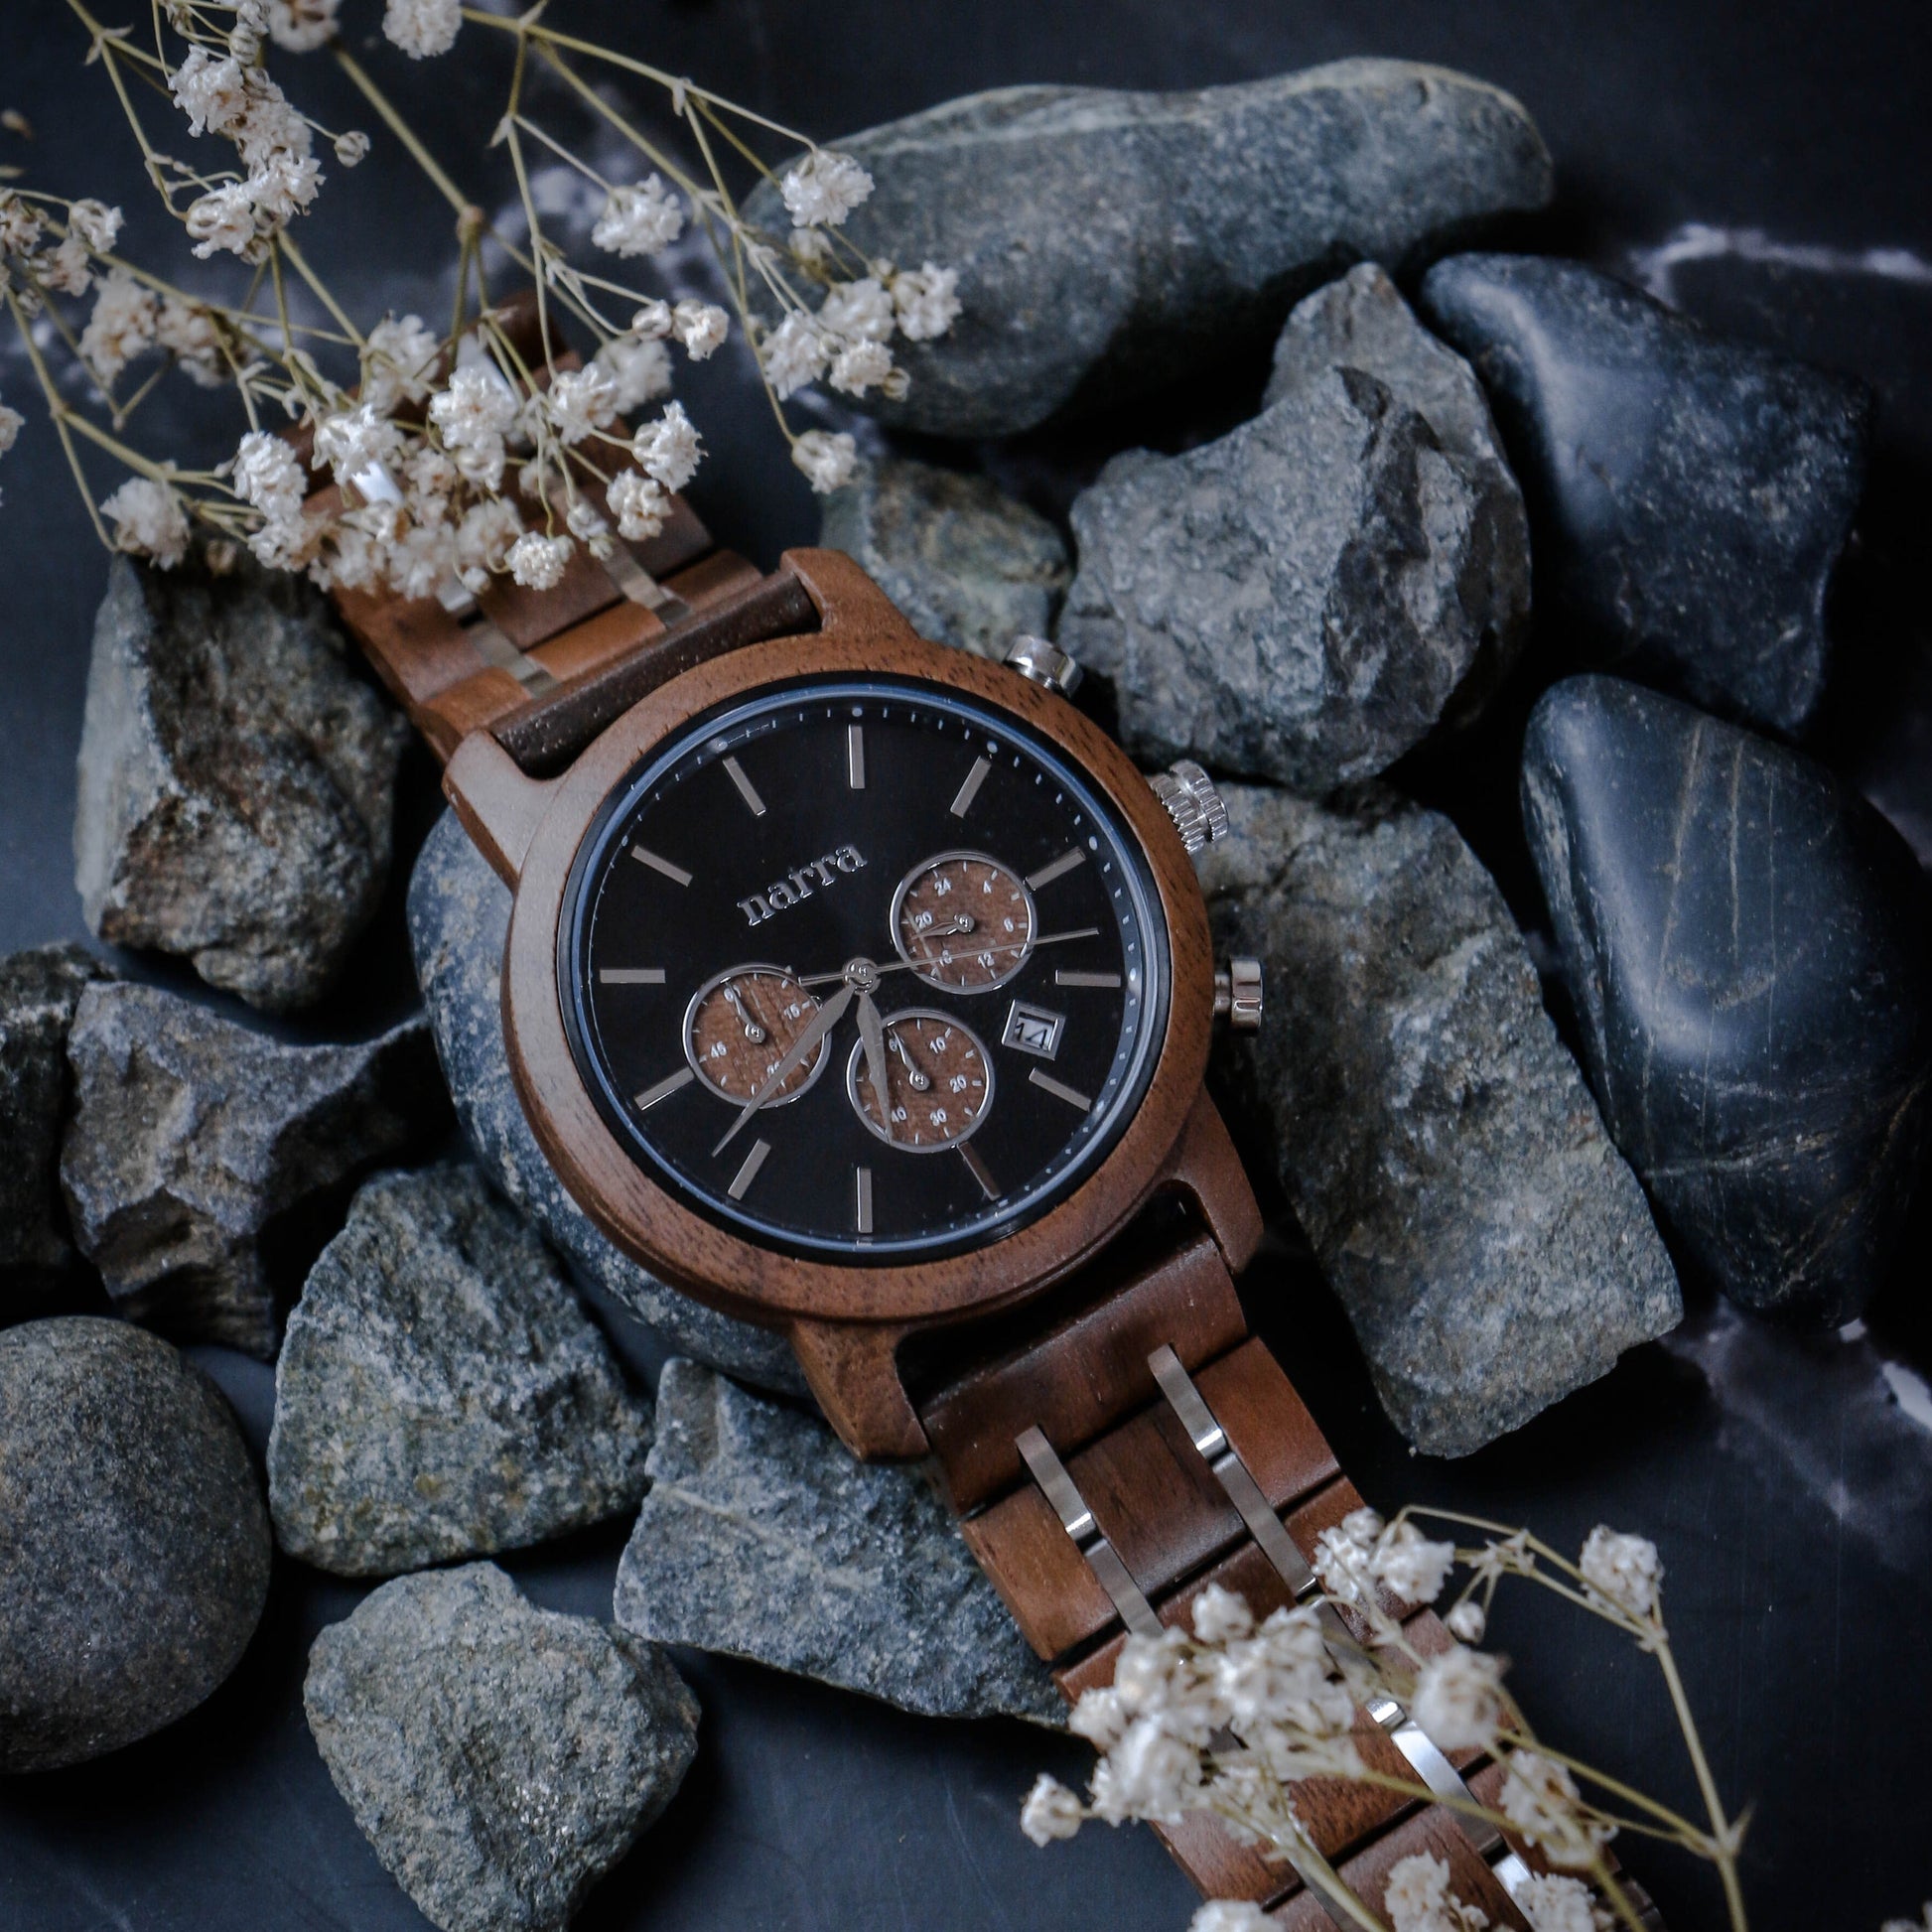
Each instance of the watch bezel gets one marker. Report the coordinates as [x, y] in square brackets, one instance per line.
[862, 633]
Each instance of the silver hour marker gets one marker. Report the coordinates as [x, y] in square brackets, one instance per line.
[665, 1088]
[645, 857]
[963, 801]
[1059, 869]
[749, 1172]
[747, 791]
[988, 1185]
[631, 976]
[1060, 1090]
[855, 758]
[862, 1189]
[1066, 976]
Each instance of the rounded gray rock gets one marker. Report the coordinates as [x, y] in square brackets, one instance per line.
[500, 1758]
[136, 1546]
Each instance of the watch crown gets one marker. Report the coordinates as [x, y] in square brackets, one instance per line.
[1238, 993]
[1043, 662]
[1192, 803]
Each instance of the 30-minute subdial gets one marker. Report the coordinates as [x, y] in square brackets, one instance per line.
[739, 1026]
[963, 921]
[938, 1081]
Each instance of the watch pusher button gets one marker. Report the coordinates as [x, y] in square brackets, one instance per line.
[1043, 662]
[1239, 994]
[1192, 803]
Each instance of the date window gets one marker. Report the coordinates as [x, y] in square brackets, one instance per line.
[1034, 1030]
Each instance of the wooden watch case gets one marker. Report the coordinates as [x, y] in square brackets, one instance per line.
[845, 1322]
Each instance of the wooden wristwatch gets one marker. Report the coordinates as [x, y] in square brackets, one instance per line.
[863, 987]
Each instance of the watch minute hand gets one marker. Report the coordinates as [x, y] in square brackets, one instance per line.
[872, 1030]
[829, 1015]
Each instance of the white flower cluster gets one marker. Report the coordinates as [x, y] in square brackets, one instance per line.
[35, 263]
[1555, 1903]
[302, 25]
[12, 422]
[150, 520]
[643, 220]
[1361, 1555]
[422, 28]
[1417, 1898]
[824, 187]
[1624, 1571]
[1540, 1798]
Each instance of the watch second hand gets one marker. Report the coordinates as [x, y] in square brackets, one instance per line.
[829, 1015]
[903, 965]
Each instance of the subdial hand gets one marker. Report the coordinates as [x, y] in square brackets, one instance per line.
[829, 1015]
[753, 1031]
[915, 1073]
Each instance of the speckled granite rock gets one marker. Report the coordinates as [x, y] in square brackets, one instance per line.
[1105, 241]
[237, 780]
[1433, 1133]
[1749, 945]
[500, 1758]
[762, 1537]
[440, 1393]
[458, 912]
[202, 1154]
[1688, 496]
[1302, 599]
[965, 562]
[39, 990]
[135, 1544]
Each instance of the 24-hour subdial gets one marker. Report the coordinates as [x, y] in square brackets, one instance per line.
[938, 1081]
[738, 1027]
[963, 921]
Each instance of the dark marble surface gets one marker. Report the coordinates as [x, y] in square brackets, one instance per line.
[1745, 172]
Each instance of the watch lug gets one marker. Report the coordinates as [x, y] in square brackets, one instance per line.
[852, 1368]
[1206, 1166]
[848, 599]
[500, 804]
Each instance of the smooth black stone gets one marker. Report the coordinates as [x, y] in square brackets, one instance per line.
[1688, 496]
[1750, 948]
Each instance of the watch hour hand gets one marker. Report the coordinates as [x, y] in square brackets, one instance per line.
[829, 1015]
[872, 1030]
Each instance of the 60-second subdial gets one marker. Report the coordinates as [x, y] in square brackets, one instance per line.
[938, 1081]
[739, 1026]
[963, 921]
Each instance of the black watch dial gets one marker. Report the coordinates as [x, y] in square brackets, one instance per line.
[861, 968]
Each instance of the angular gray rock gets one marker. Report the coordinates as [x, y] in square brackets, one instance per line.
[136, 1548]
[459, 913]
[965, 562]
[1434, 1136]
[39, 990]
[237, 780]
[764, 1538]
[440, 1393]
[202, 1154]
[500, 1758]
[1690, 496]
[1106, 241]
[1303, 599]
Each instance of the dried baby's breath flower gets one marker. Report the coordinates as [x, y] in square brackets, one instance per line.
[643, 220]
[484, 540]
[12, 422]
[1150, 1774]
[267, 475]
[928, 301]
[1458, 1699]
[422, 28]
[1540, 1798]
[1468, 1620]
[1623, 1570]
[473, 416]
[1408, 1566]
[538, 562]
[302, 25]
[212, 90]
[669, 449]
[640, 371]
[354, 442]
[701, 326]
[351, 148]
[639, 504]
[1558, 1904]
[824, 187]
[860, 366]
[827, 459]
[794, 355]
[1051, 1811]
[149, 521]
[94, 224]
[1229, 1915]
[223, 220]
[121, 327]
[861, 311]
[1219, 1614]
[400, 362]
[579, 401]
[188, 332]
[1419, 1899]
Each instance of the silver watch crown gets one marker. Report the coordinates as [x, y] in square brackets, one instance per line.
[1238, 993]
[1042, 661]
[1197, 808]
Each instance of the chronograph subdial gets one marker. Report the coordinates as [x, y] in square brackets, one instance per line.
[963, 921]
[742, 1022]
[938, 1082]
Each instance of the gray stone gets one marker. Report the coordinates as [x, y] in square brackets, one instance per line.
[1688, 496]
[237, 780]
[965, 562]
[1107, 242]
[500, 1758]
[203, 1157]
[762, 1537]
[39, 990]
[1303, 599]
[1433, 1133]
[1749, 946]
[136, 1549]
[440, 1393]
[459, 913]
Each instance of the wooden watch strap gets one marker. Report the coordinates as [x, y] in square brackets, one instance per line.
[1159, 1509]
